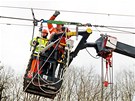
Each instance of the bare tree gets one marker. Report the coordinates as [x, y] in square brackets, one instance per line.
[6, 77]
[66, 91]
[126, 85]
[89, 86]
[80, 85]
[11, 87]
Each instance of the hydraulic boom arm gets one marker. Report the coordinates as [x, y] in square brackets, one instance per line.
[125, 49]
[104, 43]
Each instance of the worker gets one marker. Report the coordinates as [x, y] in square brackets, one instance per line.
[38, 43]
[54, 34]
[58, 49]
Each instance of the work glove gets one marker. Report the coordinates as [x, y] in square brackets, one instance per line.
[56, 13]
[63, 29]
[35, 43]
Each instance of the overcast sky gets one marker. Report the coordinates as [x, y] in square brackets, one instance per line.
[14, 39]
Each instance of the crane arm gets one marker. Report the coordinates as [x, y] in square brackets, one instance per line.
[125, 49]
[116, 46]
[101, 45]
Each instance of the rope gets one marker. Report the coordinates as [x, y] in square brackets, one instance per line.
[63, 74]
[61, 78]
[41, 68]
[91, 54]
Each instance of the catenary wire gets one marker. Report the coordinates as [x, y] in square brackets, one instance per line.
[108, 14]
[102, 26]
[106, 31]
[122, 27]
[120, 30]
[16, 18]
[109, 27]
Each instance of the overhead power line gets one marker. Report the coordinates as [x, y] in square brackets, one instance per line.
[55, 22]
[16, 18]
[15, 24]
[125, 27]
[74, 23]
[108, 14]
[116, 28]
[105, 31]
[120, 30]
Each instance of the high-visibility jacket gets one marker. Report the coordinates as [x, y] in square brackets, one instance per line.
[54, 30]
[50, 26]
[41, 43]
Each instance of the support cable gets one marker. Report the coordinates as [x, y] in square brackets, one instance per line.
[91, 54]
[106, 31]
[73, 23]
[16, 18]
[102, 26]
[102, 79]
[111, 79]
[95, 13]
[120, 30]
